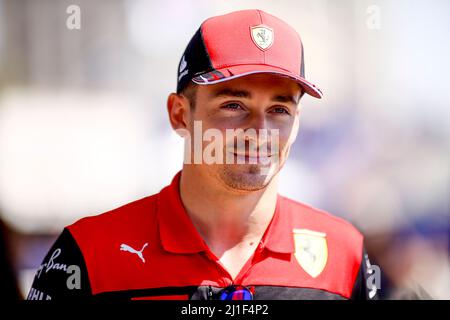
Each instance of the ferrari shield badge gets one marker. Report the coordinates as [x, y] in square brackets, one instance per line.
[311, 250]
[262, 36]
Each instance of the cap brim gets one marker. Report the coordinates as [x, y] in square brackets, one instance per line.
[233, 72]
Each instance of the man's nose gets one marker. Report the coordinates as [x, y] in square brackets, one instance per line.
[257, 121]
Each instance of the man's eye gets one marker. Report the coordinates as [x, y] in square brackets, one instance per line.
[232, 106]
[280, 110]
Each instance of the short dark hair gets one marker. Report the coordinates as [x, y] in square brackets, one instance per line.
[190, 92]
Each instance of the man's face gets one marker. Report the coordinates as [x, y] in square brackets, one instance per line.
[263, 102]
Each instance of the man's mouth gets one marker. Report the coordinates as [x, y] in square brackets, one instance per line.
[252, 157]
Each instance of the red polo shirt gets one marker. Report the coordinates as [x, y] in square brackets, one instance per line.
[150, 249]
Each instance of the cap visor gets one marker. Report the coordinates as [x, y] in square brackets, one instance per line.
[233, 72]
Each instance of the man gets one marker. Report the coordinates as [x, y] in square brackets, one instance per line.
[219, 230]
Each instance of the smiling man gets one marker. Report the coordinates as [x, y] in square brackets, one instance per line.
[220, 230]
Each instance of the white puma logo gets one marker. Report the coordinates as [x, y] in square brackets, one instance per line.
[125, 247]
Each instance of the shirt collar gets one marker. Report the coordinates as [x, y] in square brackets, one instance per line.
[278, 236]
[179, 235]
[177, 232]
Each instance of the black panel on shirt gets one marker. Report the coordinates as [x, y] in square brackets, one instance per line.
[212, 293]
[361, 289]
[63, 273]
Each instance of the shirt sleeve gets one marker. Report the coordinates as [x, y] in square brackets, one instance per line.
[63, 274]
[368, 280]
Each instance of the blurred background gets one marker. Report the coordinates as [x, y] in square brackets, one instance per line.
[84, 129]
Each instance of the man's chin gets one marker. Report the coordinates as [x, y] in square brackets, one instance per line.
[247, 177]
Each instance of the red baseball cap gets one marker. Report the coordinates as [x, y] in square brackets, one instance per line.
[242, 43]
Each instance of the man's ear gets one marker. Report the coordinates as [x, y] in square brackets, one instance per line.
[178, 109]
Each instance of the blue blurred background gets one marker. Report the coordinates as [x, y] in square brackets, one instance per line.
[84, 128]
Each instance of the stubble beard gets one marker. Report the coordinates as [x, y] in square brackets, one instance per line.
[245, 177]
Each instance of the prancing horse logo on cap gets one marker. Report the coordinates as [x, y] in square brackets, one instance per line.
[262, 36]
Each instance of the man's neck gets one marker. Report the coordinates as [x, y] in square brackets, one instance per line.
[223, 217]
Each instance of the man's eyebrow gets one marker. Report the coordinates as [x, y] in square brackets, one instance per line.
[285, 98]
[231, 93]
[246, 94]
